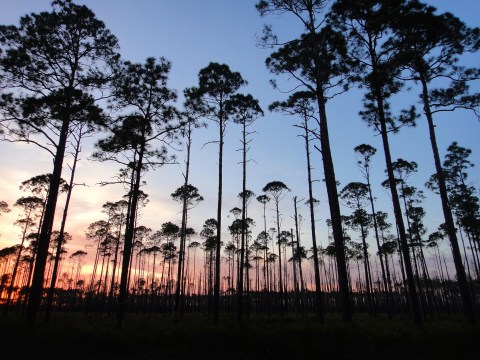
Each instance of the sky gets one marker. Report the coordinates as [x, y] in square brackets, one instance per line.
[191, 34]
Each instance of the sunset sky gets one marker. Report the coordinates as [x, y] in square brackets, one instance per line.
[190, 34]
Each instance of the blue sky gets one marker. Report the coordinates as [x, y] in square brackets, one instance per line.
[192, 33]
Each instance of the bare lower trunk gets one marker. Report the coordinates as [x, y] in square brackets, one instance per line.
[447, 213]
[412, 292]
[244, 226]
[179, 289]
[36, 290]
[216, 297]
[318, 288]
[129, 233]
[53, 281]
[335, 214]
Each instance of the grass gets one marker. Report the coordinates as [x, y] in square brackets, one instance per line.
[76, 336]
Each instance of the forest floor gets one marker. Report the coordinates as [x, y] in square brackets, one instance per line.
[79, 336]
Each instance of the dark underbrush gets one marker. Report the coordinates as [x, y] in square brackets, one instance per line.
[78, 336]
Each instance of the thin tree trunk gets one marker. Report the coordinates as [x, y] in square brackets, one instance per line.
[415, 309]
[368, 275]
[58, 253]
[181, 254]
[387, 287]
[15, 267]
[115, 260]
[280, 278]
[244, 224]
[447, 213]
[295, 280]
[216, 300]
[318, 288]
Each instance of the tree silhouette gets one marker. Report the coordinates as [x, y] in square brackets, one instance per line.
[117, 214]
[365, 153]
[277, 190]
[209, 233]
[367, 24]
[78, 258]
[355, 195]
[29, 206]
[301, 104]
[264, 238]
[97, 232]
[3, 207]
[192, 112]
[431, 52]
[39, 186]
[78, 132]
[193, 245]
[141, 90]
[55, 70]
[461, 194]
[318, 62]
[170, 233]
[57, 238]
[217, 84]
[189, 196]
[298, 254]
[245, 110]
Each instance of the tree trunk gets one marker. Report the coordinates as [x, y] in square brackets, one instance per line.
[129, 231]
[368, 274]
[318, 289]
[179, 291]
[114, 271]
[51, 290]
[295, 280]
[386, 284]
[216, 299]
[447, 212]
[244, 224]
[15, 267]
[280, 278]
[415, 309]
[36, 290]
[335, 214]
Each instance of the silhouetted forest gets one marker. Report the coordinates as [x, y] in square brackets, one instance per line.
[63, 80]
